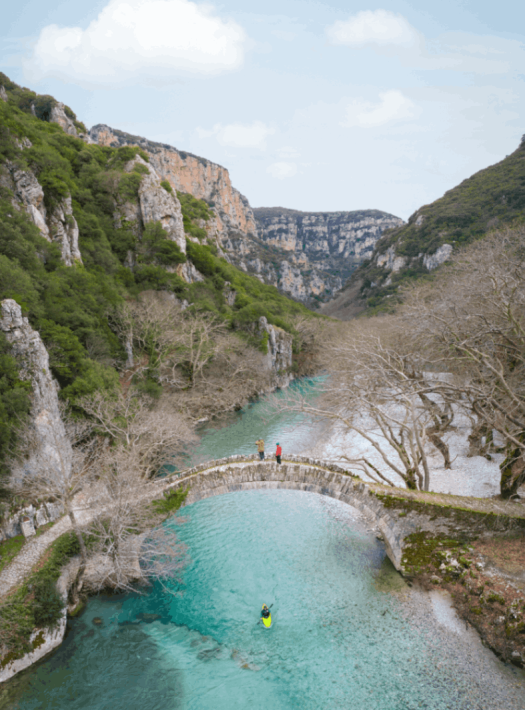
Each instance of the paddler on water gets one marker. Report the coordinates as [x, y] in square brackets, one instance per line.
[266, 617]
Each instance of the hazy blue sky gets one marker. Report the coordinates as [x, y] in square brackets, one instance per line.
[310, 105]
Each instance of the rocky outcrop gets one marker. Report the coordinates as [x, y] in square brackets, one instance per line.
[59, 115]
[189, 273]
[390, 261]
[432, 261]
[156, 204]
[393, 263]
[63, 230]
[305, 255]
[59, 226]
[3, 93]
[49, 438]
[33, 517]
[43, 641]
[309, 255]
[200, 177]
[279, 355]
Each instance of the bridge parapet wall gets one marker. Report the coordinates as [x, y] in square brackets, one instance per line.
[240, 473]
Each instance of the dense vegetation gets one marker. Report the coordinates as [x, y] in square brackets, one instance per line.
[490, 199]
[71, 306]
[36, 603]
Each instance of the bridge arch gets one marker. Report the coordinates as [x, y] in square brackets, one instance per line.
[241, 473]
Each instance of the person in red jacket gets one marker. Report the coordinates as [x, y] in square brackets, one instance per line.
[278, 453]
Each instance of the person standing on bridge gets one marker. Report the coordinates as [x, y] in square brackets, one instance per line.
[278, 453]
[260, 448]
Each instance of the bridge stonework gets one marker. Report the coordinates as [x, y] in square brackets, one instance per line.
[241, 473]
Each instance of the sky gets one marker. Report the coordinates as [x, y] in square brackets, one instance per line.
[315, 106]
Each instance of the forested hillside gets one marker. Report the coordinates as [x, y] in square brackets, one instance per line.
[84, 230]
[490, 199]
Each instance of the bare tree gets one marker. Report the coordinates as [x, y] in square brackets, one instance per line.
[192, 354]
[472, 319]
[129, 545]
[155, 433]
[58, 469]
[374, 391]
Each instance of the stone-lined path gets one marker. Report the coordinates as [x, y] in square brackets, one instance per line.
[20, 567]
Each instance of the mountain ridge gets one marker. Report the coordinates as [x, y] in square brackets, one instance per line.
[239, 230]
[492, 198]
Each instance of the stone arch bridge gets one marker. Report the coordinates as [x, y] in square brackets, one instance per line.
[241, 473]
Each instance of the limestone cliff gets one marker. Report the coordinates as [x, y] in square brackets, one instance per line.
[59, 225]
[392, 263]
[279, 357]
[306, 255]
[155, 204]
[58, 115]
[200, 177]
[311, 254]
[50, 440]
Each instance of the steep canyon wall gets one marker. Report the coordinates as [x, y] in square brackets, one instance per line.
[306, 255]
[316, 251]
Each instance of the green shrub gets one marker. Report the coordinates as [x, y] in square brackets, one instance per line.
[171, 501]
[43, 106]
[156, 248]
[15, 404]
[167, 186]
[48, 605]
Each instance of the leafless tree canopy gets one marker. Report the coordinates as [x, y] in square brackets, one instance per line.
[192, 354]
[471, 322]
[154, 432]
[59, 471]
[457, 345]
[128, 544]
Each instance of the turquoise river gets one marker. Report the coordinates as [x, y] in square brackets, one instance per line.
[347, 632]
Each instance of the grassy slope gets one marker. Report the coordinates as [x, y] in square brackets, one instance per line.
[490, 199]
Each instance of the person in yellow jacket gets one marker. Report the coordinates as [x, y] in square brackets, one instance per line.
[266, 616]
[260, 448]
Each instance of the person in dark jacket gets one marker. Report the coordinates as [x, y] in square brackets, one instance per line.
[278, 453]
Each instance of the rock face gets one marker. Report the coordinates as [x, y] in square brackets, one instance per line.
[306, 255]
[279, 357]
[50, 439]
[392, 264]
[197, 176]
[35, 517]
[156, 204]
[58, 115]
[59, 226]
[45, 640]
[432, 261]
[316, 251]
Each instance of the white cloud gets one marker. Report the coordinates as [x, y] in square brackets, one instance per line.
[281, 171]
[393, 106]
[288, 151]
[373, 27]
[237, 135]
[132, 40]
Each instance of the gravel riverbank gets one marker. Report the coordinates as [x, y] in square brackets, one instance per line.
[482, 682]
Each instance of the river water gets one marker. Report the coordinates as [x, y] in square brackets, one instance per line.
[347, 632]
